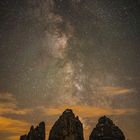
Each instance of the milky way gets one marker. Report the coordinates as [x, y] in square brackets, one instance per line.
[79, 54]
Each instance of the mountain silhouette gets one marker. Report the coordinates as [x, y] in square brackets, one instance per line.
[106, 130]
[69, 127]
[37, 133]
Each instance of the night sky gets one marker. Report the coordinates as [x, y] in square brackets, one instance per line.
[79, 54]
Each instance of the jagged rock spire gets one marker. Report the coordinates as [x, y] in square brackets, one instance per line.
[106, 130]
[67, 127]
[37, 133]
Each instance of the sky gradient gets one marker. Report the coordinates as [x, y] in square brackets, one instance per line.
[78, 54]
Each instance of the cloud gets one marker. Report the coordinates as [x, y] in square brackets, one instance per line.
[13, 128]
[12, 109]
[7, 97]
[111, 90]
[89, 111]
[8, 105]
[12, 125]
[13, 137]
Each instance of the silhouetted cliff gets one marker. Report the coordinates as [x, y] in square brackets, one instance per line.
[37, 133]
[67, 127]
[106, 130]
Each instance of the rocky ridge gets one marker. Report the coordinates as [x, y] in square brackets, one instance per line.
[106, 130]
[37, 133]
[69, 127]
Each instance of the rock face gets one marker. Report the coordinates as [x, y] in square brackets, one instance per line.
[106, 130]
[37, 133]
[67, 127]
[23, 137]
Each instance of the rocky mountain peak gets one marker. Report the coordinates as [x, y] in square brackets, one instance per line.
[67, 127]
[106, 130]
[37, 133]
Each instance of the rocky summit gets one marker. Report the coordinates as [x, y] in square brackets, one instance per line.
[67, 127]
[37, 133]
[106, 130]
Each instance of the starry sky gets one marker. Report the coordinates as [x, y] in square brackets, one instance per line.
[79, 54]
